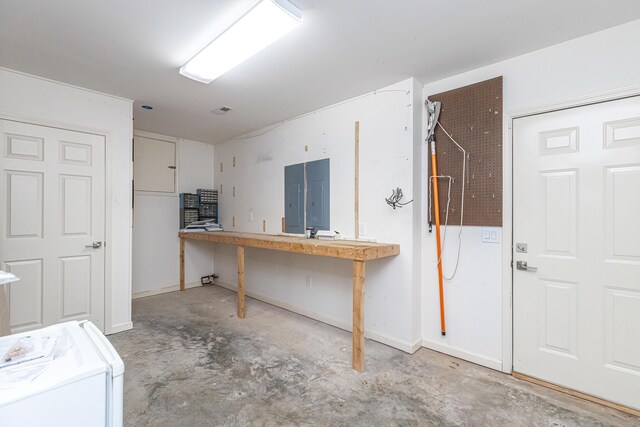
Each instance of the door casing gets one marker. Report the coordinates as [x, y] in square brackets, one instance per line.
[507, 202]
[109, 166]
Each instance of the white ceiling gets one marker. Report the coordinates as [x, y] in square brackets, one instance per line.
[344, 48]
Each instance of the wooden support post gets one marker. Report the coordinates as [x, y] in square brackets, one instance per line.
[356, 204]
[358, 316]
[182, 264]
[240, 260]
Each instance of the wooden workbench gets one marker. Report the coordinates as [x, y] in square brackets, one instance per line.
[359, 252]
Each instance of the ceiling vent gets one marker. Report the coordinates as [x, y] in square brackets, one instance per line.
[222, 110]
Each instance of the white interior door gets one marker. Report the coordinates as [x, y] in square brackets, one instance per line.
[52, 212]
[577, 220]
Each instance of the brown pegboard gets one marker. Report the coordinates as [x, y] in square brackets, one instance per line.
[473, 116]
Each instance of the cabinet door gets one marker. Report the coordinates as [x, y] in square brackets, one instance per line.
[154, 167]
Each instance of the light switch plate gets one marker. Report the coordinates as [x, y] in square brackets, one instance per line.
[491, 235]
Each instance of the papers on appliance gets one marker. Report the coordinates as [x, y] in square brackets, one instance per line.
[206, 225]
[6, 277]
[327, 235]
[25, 349]
[25, 357]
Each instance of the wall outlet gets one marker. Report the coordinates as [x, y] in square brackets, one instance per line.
[308, 281]
[251, 215]
[362, 228]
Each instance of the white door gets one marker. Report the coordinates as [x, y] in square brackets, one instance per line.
[52, 211]
[154, 165]
[576, 194]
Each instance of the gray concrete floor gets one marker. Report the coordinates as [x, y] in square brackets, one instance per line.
[190, 362]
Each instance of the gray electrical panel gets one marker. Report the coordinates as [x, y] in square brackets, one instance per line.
[294, 198]
[314, 177]
[317, 203]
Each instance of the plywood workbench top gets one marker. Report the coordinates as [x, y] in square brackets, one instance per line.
[346, 249]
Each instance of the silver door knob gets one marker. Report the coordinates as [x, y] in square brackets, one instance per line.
[522, 265]
[95, 245]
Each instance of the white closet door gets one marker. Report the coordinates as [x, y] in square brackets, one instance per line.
[52, 211]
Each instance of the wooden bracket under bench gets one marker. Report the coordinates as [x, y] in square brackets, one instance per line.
[357, 251]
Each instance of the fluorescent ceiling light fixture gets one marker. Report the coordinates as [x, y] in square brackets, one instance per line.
[265, 23]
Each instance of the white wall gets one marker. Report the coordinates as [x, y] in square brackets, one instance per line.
[36, 99]
[156, 246]
[472, 299]
[386, 162]
[603, 61]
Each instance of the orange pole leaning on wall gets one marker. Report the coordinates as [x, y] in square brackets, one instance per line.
[436, 209]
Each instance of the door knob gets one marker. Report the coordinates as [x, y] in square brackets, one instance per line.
[95, 245]
[522, 265]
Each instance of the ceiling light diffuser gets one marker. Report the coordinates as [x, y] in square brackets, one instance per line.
[265, 23]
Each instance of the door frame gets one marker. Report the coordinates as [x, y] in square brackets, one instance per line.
[108, 205]
[507, 202]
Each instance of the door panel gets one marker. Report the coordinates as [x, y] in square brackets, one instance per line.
[75, 192]
[622, 185]
[52, 212]
[154, 166]
[78, 154]
[294, 198]
[576, 203]
[315, 198]
[27, 296]
[318, 190]
[622, 307]
[558, 317]
[24, 204]
[622, 133]
[24, 147]
[76, 295]
[560, 212]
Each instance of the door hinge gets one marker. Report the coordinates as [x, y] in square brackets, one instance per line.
[512, 264]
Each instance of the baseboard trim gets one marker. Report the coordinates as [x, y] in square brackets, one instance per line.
[164, 290]
[462, 354]
[578, 394]
[392, 342]
[120, 328]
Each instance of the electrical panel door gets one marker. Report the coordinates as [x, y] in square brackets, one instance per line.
[294, 198]
[317, 174]
[154, 166]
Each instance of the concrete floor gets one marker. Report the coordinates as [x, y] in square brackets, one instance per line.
[190, 362]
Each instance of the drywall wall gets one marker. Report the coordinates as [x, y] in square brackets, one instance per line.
[315, 286]
[472, 299]
[35, 99]
[156, 246]
[600, 62]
